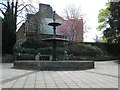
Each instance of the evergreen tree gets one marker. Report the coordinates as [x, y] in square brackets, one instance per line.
[109, 19]
[9, 23]
[9, 28]
[113, 32]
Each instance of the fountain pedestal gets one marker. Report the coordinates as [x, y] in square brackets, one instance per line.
[54, 39]
[54, 24]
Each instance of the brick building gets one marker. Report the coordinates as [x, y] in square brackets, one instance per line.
[36, 26]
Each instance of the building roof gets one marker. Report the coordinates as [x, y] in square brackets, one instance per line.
[46, 29]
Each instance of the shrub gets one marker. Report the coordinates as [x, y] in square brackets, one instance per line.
[84, 50]
[77, 50]
[25, 50]
[31, 43]
[47, 50]
[8, 58]
[25, 57]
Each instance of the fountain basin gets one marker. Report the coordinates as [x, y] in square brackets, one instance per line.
[58, 40]
[54, 65]
[54, 24]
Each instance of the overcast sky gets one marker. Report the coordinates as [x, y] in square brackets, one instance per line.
[89, 7]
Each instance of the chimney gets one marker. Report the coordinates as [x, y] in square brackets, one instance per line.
[46, 9]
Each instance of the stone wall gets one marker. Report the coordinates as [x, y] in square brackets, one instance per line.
[54, 65]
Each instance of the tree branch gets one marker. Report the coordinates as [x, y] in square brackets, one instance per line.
[3, 4]
[2, 12]
[20, 22]
[22, 8]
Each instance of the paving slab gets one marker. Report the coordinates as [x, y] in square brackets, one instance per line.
[105, 75]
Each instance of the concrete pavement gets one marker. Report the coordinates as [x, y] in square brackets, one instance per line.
[105, 75]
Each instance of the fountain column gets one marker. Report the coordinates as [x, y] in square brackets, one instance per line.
[54, 24]
[54, 44]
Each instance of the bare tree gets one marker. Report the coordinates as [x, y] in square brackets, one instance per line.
[72, 29]
[72, 12]
[77, 23]
[20, 10]
[11, 10]
[72, 26]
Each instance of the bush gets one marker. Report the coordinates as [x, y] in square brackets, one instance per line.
[25, 57]
[84, 50]
[26, 50]
[77, 50]
[47, 50]
[31, 43]
[8, 58]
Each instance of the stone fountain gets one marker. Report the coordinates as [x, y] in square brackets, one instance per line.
[54, 40]
[54, 64]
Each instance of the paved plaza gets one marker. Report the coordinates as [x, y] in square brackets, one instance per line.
[105, 75]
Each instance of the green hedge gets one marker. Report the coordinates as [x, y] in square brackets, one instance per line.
[8, 58]
[25, 50]
[47, 50]
[84, 50]
[77, 50]
[31, 43]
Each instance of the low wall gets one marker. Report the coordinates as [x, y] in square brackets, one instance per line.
[54, 65]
